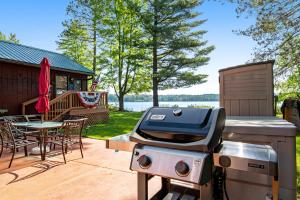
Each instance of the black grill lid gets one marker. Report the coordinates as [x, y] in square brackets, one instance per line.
[176, 121]
[194, 129]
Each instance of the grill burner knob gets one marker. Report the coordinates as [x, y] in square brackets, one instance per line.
[225, 161]
[144, 161]
[182, 169]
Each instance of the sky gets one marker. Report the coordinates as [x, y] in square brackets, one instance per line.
[38, 23]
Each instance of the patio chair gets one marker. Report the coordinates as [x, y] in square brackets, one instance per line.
[9, 140]
[16, 118]
[73, 117]
[33, 118]
[18, 132]
[70, 135]
[53, 133]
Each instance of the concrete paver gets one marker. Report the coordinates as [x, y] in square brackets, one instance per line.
[102, 174]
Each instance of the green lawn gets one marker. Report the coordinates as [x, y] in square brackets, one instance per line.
[119, 123]
[124, 122]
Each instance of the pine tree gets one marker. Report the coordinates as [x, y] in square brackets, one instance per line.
[74, 42]
[177, 44]
[89, 13]
[277, 23]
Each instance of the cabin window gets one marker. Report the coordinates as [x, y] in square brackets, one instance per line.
[61, 83]
[77, 85]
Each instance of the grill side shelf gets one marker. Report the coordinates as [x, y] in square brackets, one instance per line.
[255, 158]
[120, 143]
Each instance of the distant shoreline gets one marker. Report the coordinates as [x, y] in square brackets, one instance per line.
[142, 106]
[167, 98]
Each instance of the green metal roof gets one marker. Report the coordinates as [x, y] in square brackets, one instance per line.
[11, 52]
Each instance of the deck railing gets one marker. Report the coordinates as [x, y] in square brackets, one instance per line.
[64, 104]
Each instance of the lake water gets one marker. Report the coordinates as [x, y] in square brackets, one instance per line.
[141, 106]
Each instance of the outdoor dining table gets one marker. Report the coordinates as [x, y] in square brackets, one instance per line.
[42, 127]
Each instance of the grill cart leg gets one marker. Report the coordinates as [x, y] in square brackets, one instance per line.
[275, 188]
[206, 192]
[142, 186]
[164, 190]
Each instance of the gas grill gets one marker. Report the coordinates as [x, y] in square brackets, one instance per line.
[184, 147]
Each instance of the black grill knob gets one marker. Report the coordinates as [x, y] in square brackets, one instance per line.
[225, 161]
[182, 169]
[144, 161]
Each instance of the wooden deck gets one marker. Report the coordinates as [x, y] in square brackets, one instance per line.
[69, 103]
[102, 174]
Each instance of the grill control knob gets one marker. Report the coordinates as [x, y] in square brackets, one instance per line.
[225, 161]
[144, 161]
[182, 169]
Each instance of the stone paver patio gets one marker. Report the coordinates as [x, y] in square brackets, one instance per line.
[102, 174]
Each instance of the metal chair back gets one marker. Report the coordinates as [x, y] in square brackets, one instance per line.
[32, 118]
[6, 132]
[73, 127]
[15, 118]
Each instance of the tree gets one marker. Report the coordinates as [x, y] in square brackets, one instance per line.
[288, 71]
[11, 38]
[89, 13]
[74, 42]
[126, 67]
[290, 88]
[277, 23]
[277, 32]
[110, 32]
[178, 48]
[2, 36]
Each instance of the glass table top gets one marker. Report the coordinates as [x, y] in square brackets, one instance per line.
[39, 124]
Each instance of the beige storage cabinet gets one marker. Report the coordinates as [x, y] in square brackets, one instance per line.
[247, 90]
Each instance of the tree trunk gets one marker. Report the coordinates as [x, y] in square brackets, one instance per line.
[94, 47]
[155, 82]
[154, 67]
[121, 102]
[120, 68]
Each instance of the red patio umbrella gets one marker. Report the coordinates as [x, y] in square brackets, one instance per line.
[42, 105]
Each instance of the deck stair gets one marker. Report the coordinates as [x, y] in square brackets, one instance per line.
[66, 103]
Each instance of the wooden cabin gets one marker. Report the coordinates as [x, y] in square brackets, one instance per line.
[248, 90]
[19, 73]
